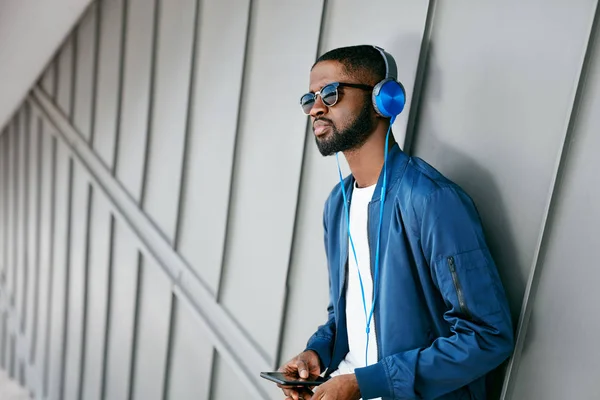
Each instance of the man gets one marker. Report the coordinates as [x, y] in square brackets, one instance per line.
[441, 321]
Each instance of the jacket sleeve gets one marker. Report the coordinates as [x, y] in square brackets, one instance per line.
[462, 268]
[323, 339]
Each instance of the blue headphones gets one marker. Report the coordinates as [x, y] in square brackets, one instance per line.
[389, 96]
[389, 99]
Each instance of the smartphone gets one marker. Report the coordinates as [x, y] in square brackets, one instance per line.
[293, 380]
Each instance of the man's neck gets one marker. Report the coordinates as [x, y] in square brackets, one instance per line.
[367, 161]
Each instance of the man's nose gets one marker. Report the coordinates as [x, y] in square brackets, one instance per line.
[319, 108]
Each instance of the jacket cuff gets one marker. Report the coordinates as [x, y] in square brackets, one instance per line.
[373, 381]
[322, 347]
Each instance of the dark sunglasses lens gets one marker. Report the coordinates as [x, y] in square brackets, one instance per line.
[307, 101]
[329, 95]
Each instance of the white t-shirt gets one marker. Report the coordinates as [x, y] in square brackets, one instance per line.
[355, 314]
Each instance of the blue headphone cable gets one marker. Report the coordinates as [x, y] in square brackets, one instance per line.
[369, 316]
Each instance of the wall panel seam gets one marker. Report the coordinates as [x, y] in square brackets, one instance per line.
[420, 77]
[235, 151]
[35, 327]
[50, 293]
[15, 219]
[122, 50]
[107, 311]
[86, 268]
[188, 127]
[74, 55]
[169, 357]
[68, 262]
[151, 90]
[25, 205]
[136, 324]
[94, 94]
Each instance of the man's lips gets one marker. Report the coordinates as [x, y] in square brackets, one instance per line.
[319, 127]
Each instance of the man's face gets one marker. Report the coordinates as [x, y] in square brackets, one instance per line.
[347, 124]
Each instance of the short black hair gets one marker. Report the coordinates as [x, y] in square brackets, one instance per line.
[362, 61]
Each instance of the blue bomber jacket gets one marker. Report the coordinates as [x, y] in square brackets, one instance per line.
[441, 318]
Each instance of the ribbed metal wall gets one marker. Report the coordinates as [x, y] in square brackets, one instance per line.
[162, 195]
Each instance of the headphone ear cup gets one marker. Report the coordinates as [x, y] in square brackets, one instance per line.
[389, 98]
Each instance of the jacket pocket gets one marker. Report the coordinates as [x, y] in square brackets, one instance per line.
[457, 286]
[470, 284]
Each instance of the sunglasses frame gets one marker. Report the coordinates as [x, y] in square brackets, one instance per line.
[336, 85]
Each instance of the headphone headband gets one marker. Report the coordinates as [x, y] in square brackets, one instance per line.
[391, 70]
[388, 95]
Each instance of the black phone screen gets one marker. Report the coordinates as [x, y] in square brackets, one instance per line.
[293, 380]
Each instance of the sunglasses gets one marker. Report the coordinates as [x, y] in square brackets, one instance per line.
[329, 95]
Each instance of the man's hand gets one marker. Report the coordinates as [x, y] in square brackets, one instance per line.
[303, 365]
[341, 387]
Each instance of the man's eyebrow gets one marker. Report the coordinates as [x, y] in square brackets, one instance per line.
[320, 87]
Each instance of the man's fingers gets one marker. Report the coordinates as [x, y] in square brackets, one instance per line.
[302, 369]
[300, 394]
[306, 395]
[293, 395]
[317, 393]
[286, 391]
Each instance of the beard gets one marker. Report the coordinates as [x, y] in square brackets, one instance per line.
[351, 138]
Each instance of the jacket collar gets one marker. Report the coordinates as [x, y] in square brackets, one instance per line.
[396, 165]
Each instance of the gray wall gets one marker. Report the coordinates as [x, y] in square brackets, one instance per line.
[162, 195]
[30, 33]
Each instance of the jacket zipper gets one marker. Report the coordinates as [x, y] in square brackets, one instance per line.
[371, 262]
[336, 340]
[459, 292]
[340, 294]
